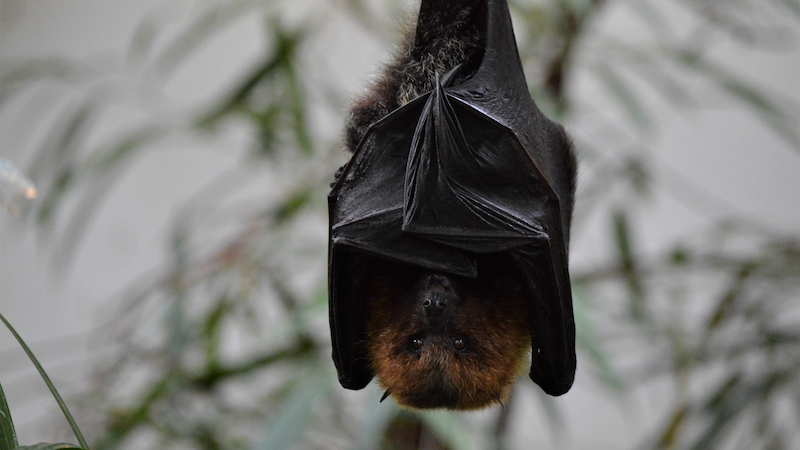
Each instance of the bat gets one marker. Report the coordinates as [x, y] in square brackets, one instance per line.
[449, 225]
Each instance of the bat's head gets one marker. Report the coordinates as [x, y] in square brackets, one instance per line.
[442, 341]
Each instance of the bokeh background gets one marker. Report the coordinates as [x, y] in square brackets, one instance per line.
[171, 273]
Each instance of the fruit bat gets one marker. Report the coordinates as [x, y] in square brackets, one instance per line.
[449, 225]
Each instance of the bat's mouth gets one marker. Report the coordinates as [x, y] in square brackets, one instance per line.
[439, 394]
[437, 297]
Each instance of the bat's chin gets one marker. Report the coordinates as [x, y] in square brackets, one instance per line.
[437, 377]
[435, 390]
[441, 392]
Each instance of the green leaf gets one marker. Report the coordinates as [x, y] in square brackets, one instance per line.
[675, 426]
[8, 436]
[43, 446]
[50, 385]
[50, 202]
[58, 153]
[29, 71]
[725, 307]
[629, 266]
[241, 93]
[298, 100]
[295, 202]
[64, 138]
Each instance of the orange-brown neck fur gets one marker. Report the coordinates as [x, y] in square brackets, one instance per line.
[488, 315]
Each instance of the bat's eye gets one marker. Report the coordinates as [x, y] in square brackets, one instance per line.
[416, 344]
[460, 344]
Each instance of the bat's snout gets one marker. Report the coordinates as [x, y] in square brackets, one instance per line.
[436, 294]
[434, 306]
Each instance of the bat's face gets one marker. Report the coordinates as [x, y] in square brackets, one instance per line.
[443, 341]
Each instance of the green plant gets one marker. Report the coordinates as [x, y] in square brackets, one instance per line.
[8, 437]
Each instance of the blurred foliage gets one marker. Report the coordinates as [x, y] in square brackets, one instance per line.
[227, 345]
[8, 435]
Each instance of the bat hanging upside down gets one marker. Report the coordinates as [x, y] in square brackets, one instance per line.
[449, 226]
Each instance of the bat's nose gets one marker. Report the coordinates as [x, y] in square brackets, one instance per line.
[437, 289]
[434, 305]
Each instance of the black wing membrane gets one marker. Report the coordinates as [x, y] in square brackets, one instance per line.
[460, 171]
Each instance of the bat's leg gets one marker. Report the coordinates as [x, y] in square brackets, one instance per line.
[448, 33]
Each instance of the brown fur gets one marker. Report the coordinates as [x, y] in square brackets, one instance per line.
[489, 313]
